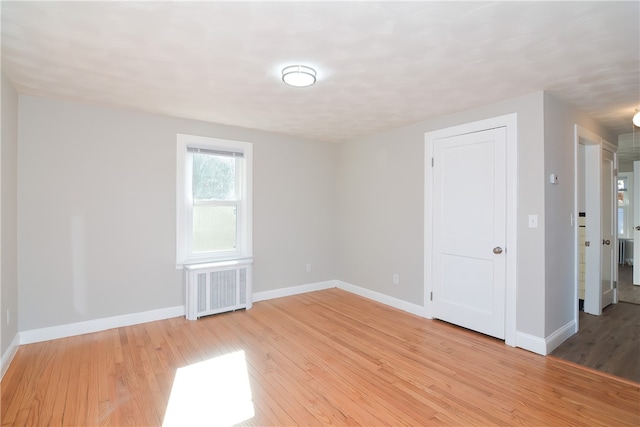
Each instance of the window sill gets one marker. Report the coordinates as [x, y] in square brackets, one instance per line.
[205, 263]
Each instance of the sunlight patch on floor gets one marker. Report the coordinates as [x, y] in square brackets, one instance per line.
[215, 392]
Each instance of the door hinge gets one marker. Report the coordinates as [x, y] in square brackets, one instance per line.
[430, 296]
[615, 285]
[432, 161]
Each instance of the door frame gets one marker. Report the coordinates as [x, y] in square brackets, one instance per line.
[636, 214]
[509, 122]
[613, 150]
[594, 145]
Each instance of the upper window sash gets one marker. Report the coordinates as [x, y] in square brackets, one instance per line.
[202, 150]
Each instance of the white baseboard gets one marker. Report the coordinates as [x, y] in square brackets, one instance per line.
[72, 329]
[531, 343]
[363, 292]
[546, 345]
[418, 310]
[293, 290]
[560, 336]
[523, 340]
[8, 355]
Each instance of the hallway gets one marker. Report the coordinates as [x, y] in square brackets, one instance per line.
[609, 343]
[627, 292]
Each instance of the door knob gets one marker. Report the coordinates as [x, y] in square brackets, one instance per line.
[606, 242]
[637, 227]
[497, 250]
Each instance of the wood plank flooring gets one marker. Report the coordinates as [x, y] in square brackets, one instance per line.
[627, 291]
[609, 343]
[322, 358]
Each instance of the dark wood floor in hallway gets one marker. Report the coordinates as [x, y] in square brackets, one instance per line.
[609, 343]
[627, 291]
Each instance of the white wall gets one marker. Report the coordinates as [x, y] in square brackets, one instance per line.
[560, 237]
[380, 200]
[381, 214]
[96, 191]
[8, 216]
[96, 196]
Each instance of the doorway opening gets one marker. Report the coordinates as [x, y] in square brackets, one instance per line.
[628, 206]
[596, 213]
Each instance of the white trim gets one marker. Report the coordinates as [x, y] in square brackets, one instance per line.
[8, 355]
[294, 290]
[418, 310]
[183, 186]
[594, 146]
[523, 340]
[97, 325]
[531, 343]
[559, 336]
[510, 122]
[348, 287]
[219, 264]
[544, 346]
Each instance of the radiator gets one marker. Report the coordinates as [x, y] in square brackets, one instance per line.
[217, 287]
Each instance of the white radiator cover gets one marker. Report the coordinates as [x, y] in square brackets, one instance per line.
[217, 287]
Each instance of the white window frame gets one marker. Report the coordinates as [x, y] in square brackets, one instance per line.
[184, 201]
[628, 208]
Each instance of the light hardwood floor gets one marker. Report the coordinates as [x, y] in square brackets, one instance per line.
[326, 357]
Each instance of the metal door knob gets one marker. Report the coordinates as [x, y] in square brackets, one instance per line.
[637, 227]
[497, 250]
[606, 242]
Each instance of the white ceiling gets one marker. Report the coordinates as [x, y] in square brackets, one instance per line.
[380, 65]
[628, 150]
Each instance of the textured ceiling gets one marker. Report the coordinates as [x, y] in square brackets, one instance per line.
[380, 64]
[628, 150]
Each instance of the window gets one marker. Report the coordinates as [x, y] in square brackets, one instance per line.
[625, 205]
[213, 200]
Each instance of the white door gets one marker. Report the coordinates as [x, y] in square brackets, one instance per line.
[636, 223]
[469, 230]
[609, 231]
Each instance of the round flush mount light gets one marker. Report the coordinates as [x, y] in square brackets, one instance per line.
[636, 118]
[299, 75]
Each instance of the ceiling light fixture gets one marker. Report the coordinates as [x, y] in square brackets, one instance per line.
[636, 118]
[299, 75]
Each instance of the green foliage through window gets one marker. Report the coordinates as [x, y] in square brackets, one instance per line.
[214, 177]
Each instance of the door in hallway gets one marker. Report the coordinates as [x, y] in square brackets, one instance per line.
[609, 231]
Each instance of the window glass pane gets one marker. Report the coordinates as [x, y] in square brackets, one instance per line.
[214, 177]
[214, 228]
[623, 202]
[621, 218]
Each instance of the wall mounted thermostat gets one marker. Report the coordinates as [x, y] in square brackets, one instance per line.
[553, 179]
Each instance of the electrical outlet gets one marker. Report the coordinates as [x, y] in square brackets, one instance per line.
[396, 279]
[308, 268]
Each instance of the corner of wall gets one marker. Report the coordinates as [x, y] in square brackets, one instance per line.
[8, 216]
[8, 355]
